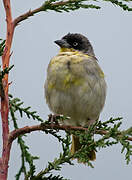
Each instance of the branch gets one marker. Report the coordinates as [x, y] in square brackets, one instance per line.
[28, 129]
[85, 135]
[4, 100]
[9, 34]
[60, 6]
[35, 11]
[68, 5]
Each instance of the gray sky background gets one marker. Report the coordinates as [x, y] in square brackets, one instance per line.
[110, 32]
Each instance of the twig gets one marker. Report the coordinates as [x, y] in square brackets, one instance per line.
[28, 129]
[41, 8]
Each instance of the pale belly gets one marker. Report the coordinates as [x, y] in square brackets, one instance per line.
[81, 103]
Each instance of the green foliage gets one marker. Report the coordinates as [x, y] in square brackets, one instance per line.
[64, 157]
[2, 46]
[16, 104]
[26, 157]
[67, 6]
[71, 5]
[50, 177]
[108, 132]
[2, 74]
[125, 7]
[113, 136]
[5, 71]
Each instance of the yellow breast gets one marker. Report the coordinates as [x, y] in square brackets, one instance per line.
[66, 70]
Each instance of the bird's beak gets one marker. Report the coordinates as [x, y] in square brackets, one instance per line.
[62, 43]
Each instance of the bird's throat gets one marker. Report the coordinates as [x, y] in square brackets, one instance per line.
[67, 50]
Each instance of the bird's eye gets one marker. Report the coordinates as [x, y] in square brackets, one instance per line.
[75, 44]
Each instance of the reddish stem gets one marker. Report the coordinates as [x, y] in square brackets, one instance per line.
[28, 129]
[4, 101]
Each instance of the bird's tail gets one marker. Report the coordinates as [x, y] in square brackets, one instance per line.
[76, 146]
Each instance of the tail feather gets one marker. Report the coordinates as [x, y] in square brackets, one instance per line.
[76, 146]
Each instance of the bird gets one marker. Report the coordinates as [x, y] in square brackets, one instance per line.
[75, 85]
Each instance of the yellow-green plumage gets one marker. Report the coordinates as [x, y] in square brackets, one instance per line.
[78, 91]
[75, 87]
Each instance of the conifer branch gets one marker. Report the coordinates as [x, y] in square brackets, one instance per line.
[67, 6]
[26, 156]
[108, 129]
[28, 129]
[55, 5]
[85, 135]
[16, 104]
[64, 157]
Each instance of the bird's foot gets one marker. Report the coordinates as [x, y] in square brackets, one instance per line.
[53, 119]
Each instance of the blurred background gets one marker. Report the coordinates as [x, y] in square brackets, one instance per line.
[109, 31]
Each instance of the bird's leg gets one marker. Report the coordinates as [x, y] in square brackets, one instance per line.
[53, 119]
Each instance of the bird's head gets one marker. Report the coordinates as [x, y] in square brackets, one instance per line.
[75, 42]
